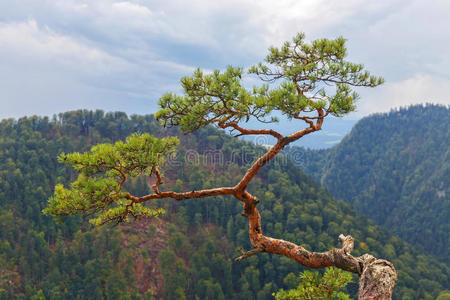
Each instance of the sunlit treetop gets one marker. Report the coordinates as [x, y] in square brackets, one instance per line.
[299, 78]
[99, 189]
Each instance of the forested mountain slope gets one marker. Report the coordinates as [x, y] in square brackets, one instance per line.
[394, 168]
[188, 253]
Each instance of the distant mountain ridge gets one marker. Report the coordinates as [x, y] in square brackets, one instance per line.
[395, 168]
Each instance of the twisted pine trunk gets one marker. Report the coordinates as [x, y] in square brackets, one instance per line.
[377, 277]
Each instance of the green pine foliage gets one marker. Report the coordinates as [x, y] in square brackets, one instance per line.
[395, 168]
[40, 258]
[102, 173]
[310, 76]
[314, 286]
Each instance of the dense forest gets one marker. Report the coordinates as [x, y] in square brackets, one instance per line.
[188, 253]
[395, 168]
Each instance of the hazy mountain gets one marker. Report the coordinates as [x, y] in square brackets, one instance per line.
[394, 168]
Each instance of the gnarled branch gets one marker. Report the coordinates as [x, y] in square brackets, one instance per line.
[377, 276]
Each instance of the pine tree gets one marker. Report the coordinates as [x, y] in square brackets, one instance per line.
[308, 82]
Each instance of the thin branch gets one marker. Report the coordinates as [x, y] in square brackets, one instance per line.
[185, 195]
[244, 254]
[244, 131]
[158, 182]
[306, 119]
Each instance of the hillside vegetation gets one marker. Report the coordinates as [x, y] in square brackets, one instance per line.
[394, 168]
[189, 252]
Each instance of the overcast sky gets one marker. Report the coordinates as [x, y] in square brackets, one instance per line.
[123, 55]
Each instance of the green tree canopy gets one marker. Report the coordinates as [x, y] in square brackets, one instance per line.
[314, 286]
[305, 72]
[103, 171]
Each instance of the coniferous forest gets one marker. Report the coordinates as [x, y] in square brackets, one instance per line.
[188, 253]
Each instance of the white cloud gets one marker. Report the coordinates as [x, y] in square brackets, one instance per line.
[131, 9]
[421, 88]
[45, 69]
[27, 43]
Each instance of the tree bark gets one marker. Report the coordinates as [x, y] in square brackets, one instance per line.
[377, 277]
